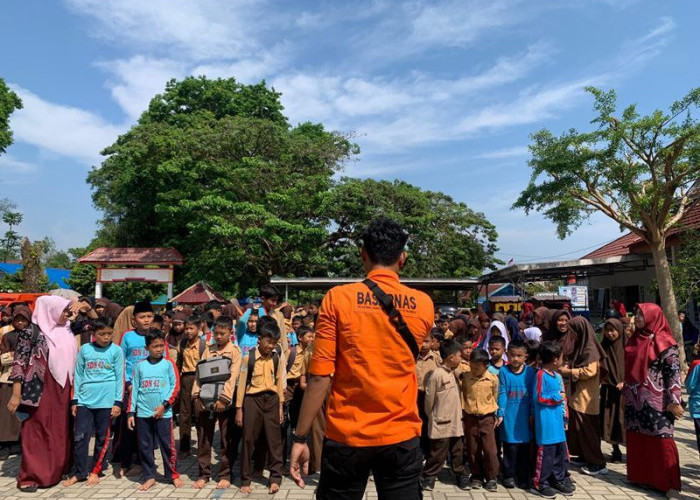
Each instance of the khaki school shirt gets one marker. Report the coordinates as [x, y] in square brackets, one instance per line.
[480, 394]
[231, 351]
[263, 379]
[585, 389]
[425, 365]
[297, 369]
[443, 405]
[190, 357]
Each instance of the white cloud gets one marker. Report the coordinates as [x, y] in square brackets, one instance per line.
[505, 153]
[14, 166]
[65, 130]
[205, 29]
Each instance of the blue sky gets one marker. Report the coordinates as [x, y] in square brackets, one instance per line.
[442, 94]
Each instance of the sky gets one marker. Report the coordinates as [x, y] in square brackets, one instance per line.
[441, 94]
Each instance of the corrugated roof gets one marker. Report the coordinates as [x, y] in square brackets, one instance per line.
[625, 244]
[199, 293]
[133, 256]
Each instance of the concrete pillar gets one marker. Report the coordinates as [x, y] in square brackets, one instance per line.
[170, 290]
[98, 289]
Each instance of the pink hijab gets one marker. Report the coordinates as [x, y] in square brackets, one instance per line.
[62, 346]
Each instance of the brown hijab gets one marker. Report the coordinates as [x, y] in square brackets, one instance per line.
[123, 324]
[587, 349]
[565, 339]
[112, 309]
[613, 369]
[542, 317]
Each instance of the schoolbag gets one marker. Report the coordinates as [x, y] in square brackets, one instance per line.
[276, 353]
[212, 375]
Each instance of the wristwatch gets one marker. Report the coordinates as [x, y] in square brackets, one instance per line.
[299, 439]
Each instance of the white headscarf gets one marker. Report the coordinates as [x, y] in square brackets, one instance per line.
[504, 333]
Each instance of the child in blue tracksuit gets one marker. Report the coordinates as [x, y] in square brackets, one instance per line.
[515, 381]
[155, 386]
[98, 392]
[551, 419]
[692, 385]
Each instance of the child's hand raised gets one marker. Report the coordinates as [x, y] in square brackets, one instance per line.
[131, 423]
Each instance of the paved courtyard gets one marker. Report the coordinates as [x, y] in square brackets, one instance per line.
[610, 487]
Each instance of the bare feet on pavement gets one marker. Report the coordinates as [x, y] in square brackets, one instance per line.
[147, 485]
[246, 490]
[177, 482]
[274, 488]
[199, 484]
[69, 482]
[93, 479]
[223, 484]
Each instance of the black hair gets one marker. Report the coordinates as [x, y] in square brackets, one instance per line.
[449, 347]
[268, 291]
[480, 356]
[153, 335]
[384, 240]
[266, 320]
[316, 302]
[193, 320]
[297, 318]
[81, 325]
[303, 330]
[158, 319]
[436, 333]
[102, 322]
[497, 339]
[209, 318]
[533, 349]
[444, 318]
[223, 320]
[517, 344]
[214, 304]
[269, 330]
[549, 351]
[462, 339]
[169, 314]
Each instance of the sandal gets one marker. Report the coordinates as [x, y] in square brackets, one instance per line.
[29, 488]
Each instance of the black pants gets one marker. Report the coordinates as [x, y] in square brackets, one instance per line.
[516, 462]
[152, 431]
[87, 421]
[127, 442]
[697, 431]
[396, 468]
[552, 463]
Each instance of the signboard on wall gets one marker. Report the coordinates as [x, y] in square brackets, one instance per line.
[120, 275]
[577, 294]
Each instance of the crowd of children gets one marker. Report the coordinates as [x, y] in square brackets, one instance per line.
[494, 393]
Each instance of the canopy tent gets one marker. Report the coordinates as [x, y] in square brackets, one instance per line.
[199, 293]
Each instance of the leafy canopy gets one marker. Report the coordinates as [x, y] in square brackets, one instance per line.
[636, 169]
[9, 102]
[214, 169]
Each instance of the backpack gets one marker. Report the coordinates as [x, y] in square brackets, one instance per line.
[276, 353]
[212, 375]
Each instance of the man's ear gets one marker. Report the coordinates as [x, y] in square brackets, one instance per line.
[402, 259]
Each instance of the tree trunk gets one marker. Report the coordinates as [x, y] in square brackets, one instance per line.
[667, 295]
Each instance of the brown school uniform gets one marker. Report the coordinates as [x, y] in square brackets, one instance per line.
[425, 365]
[10, 425]
[187, 359]
[261, 401]
[480, 402]
[206, 422]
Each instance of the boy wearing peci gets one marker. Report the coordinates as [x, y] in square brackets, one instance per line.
[444, 409]
[155, 386]
[259, 404]
[515, 381]
[220, 410]
[551, 418]
[480, 403]
[98, 393]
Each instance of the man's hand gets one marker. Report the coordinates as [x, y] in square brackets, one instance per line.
[131, 423]
[239, 417]
[219, 406]
[116, 411]
[159, 412]
[299, 463]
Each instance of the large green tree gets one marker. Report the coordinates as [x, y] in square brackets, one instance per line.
[214, 169]
[636, 169]
[9, 102]
[447, 238]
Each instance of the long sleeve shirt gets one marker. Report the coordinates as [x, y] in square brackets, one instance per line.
[692, 385]
[154, 384]
[231, 352]
[133, 346]
[549, 401]
[263, 378]
[515, 404]
[99, 376]
[585, 389]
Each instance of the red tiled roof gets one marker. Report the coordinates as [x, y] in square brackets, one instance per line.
[199, 293]
[133, 256]
[625, 244]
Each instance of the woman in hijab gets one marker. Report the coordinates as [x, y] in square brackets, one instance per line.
[612, 379]
[582, 370]
[42, 373]
[124, 323]
[108, 309]
[652, 401]
[541, 319]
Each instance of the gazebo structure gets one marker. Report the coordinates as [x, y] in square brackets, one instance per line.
[122, 265]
